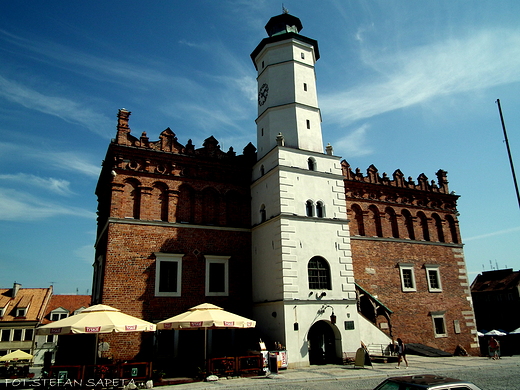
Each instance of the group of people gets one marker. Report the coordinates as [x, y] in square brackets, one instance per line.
[493, 348]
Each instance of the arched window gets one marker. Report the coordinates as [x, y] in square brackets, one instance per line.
[235, 209]
[376, 220]
[424, 226]
[160, 194]
[210, 206]
[358, 217]
[263, 217]
[320, 209]
[392, 218]
[312, 164]
[438, 227]
[319, 274]
[185, 211]
[453, 229]
[309, 208]
[408, 223]
[133, 191]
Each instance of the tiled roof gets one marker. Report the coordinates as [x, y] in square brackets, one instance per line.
[70, 303]
[35, 299]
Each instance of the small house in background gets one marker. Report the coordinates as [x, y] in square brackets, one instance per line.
[59, 307]
[21, 311]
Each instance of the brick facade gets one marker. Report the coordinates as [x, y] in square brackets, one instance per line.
[397, 223]
[169, 198]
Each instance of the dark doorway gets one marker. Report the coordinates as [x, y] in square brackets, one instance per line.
[322, 344]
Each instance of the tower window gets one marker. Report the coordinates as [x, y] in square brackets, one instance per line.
[263, 64]
[319, 274]
[309, 208]
[308, 124]
[303, 55]
[320, 210]
[305, 87]
[311, 163]
[263, 217]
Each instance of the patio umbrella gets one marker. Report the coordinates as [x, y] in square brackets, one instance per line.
[16, 355]
[95, 320]
[495, 332]
[206, 316]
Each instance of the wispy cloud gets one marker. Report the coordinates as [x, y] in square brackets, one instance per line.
[481, 60]
[86, 253]
[20, 206]
[493, 234]
[57, 186]
[72, 161]
[64, 108]
[355, 143]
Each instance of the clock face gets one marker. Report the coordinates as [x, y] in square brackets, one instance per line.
[262, 94]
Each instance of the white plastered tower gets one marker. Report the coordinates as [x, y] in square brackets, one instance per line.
[303, 281]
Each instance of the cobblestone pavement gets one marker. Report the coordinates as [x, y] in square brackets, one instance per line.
[315, 377]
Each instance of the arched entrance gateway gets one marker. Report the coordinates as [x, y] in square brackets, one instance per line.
[324, 343]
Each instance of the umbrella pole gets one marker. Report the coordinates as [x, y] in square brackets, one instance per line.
[205, 349]
[96, 349]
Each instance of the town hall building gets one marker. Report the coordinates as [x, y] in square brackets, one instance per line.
[324, 258]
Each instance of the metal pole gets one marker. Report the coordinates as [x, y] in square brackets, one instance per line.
[509, 152]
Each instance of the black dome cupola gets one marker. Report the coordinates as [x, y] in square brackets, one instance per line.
[284, 23]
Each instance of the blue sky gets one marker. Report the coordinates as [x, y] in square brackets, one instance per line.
[407, 85]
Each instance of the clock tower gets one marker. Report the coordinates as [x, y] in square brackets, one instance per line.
[303, 281]
[287, 97]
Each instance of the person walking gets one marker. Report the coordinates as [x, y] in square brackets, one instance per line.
[494, 348]
[401, 353]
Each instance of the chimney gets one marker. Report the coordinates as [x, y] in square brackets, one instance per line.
[16, 287]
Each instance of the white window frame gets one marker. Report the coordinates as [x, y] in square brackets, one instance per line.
[9, 332]
[407, 266]
[436, 315]
[433, 268]
[220, 260]
[61, 312]
[161, 257]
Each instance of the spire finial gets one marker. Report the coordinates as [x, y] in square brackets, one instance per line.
[284, 10]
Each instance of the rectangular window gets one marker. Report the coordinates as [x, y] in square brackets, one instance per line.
[58, 316]
[439, 324]
[17, 335]
[168, 271]
[308, 124]
[6, 335]
[217, 276]
[305, 86]
[407, 277]
[28, 334]
[51, 338]
[21, 312]
[433, 277]
[303, 55]
[349, 325]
